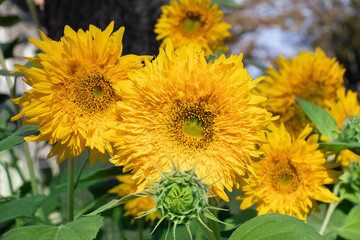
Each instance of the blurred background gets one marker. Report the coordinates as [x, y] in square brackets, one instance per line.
[261, 30]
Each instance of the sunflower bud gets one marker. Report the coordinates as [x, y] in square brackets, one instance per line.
[180, 197]
[351, 132]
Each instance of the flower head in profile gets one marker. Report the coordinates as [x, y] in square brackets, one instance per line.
[291, 176]
[185, 108]
[138, 206]
[310, 76]
[76, 84]
[193, 21]
[347, 106]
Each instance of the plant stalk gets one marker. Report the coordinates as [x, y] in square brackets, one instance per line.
[330, 210]
[71, 189]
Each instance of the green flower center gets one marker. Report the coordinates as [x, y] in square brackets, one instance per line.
[284, 178]
[98, 92]
[192, 23]
[193, 127]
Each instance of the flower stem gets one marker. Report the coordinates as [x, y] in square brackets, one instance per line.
[214, 225]
[71, 189]
[140, 225]
[33, 13]
[79, 175]
[34, 186]
[330, 210]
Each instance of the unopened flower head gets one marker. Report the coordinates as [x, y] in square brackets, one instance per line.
[310, 76]
[75, 86]
[193, 21]
[291, 176]
[184, 107]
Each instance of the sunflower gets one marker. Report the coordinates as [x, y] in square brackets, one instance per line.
[76, 84]
[185, 108]
[310, 76]
[346, 106]
[290, 177]
[193, 21]
[137, 206]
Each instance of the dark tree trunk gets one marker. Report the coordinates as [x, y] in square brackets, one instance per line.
[138, 17]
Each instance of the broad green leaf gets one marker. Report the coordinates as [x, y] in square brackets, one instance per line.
[351, 230]
[338, 146]
[8, 47]
[18, 137]
[23, 207]
[6, 21]
[112, 204]
[4, 72]
[85, 228]
[275, 226]
[324, 122]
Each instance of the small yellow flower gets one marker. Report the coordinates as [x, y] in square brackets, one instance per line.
[193, 21]
[138, 206]
[75, 86]
[310, 76]
[346, 106]
[291, 176]
[191, 111]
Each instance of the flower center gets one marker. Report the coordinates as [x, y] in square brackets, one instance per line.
[93, 92]
[192, 22]
[284, 178]
[191, 125]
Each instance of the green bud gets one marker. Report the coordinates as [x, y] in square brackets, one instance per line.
[351, 132]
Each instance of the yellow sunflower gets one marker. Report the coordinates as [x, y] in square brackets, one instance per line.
[310, 76]
[185, 108]
[138, 206]
[346, 106]
[290, 177]
[75, 86]
[193, 21]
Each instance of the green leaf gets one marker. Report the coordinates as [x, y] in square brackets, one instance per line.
[324, 122]
[227, 4]
[338, 146]
[23, 207]
[112, 204]
[8, 47]
[4, 72]
[18, 137]
[85, 228]
[6, 21]
[350, 230]
[275, 226]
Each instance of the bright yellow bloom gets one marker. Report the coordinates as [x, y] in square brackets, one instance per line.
[347, 106]
[310, 76]
[193, 21]
[75, 86]
[138, 206]
[191, 111]
[290, 177]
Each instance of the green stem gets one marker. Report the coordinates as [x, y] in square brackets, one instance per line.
[118, 216]
[79, 175]
[3, 65]
[33, 12]
[90, 206]
[330, 210]
[34, 186]
[210, 235]
[215, 225]
[15, 165]
[18, 220]
[6, 168]
[71, 189]
[140, 225]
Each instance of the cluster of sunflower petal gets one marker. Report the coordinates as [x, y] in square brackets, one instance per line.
[182, 107]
